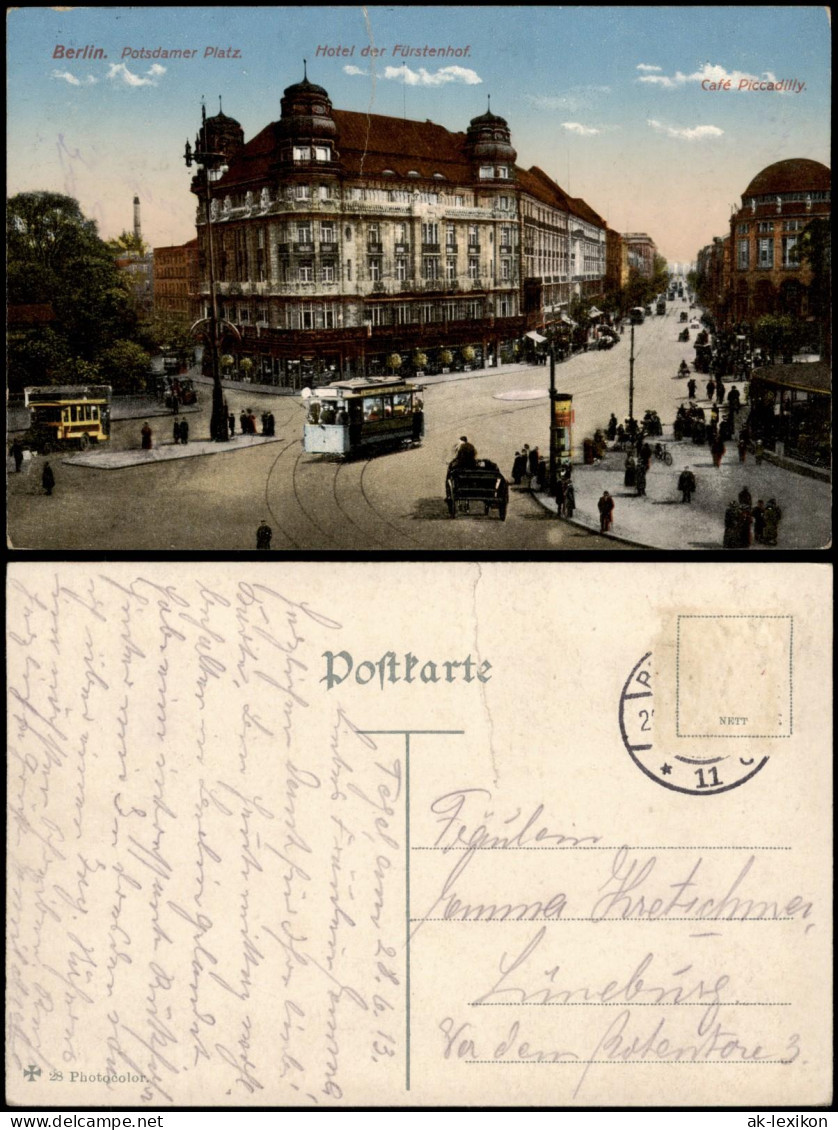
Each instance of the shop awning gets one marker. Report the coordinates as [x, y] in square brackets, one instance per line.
[568, 321]
[533, 335]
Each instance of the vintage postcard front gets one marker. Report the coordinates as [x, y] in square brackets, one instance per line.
[409, 834]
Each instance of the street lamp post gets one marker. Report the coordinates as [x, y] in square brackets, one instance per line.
[552, 418]
[631, 381]
[209, 160]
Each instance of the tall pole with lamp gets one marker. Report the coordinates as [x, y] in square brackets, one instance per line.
[208, 161]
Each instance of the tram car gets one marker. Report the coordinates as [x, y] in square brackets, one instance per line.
[362, 414]
[63, 417]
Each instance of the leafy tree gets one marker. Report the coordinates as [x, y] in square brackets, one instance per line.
[167, 332]
[125, 366]
[128, 243]
[778, 334]
[35, 357]
[55, 256]
[75, 372]
[814, 248]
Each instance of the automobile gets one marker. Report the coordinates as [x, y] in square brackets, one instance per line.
[684, 316]
[482, 485]
[695, 324]
[647, 310]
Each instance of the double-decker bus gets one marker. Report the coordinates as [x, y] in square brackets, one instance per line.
[66, 416]
[349, 416]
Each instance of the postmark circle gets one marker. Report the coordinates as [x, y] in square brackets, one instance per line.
[698, 776]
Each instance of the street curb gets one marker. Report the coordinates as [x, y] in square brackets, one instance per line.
[592, 529]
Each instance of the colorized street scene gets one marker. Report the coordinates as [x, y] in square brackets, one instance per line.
[378, 287]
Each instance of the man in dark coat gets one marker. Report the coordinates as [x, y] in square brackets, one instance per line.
[640, 480]
[717, 450]
[691, 388]
[264, 533]
[145, 432]
[243, 422]
[47, 479]
[519, 468]
[533, 462]
[466, 454]
[184, 431]
[176, 431]
[17, 455]
[231, 420]
[759, 521]
[711, 388]
[606, 512]
[773, 514]
[686, 484]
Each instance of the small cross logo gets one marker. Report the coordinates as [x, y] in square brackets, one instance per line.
[32, 1072]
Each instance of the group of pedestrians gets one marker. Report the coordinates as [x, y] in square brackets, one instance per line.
[247, 423]
[180, 431]
[525, 464]
[745, 521]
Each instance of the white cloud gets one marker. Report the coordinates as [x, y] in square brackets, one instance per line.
[441, 77]
[351, 69]
[575, 98]
[120, 71]
[711, 72]
[648, 67]
[73, 80]
[577, 127]
[697, 133]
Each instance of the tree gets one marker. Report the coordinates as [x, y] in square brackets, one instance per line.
[128, 243]
[779, 335]
[167, 332]
[125, 366]
[55, 256]
[815, 249]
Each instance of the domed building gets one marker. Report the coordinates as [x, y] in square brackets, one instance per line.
[344, 238]
[780, 201]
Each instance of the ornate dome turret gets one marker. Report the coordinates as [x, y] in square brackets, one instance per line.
[306, 112]
[489, 140]
[222, 134]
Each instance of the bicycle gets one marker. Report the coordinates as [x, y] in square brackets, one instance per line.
[662, 454]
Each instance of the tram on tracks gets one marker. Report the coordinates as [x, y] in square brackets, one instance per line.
[363, 414]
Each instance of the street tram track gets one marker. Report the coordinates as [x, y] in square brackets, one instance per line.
[280, 528]
[368, 500]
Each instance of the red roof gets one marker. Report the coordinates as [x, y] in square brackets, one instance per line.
[369, 144]
[796, 175]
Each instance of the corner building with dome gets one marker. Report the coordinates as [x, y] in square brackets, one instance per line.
[765, 276]
[341, 239]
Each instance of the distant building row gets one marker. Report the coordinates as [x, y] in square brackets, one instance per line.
[341, 238]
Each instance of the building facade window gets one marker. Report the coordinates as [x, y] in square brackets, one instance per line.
[401, 269]
[743, 229]
[789, 244]
[327, 273]
[450, 268]
[765, 253]
[302, 191]
[765, 226]
[430, 234]
[306, 272]
[487, 172]
[430, 268]
[473, 235]
[304, 231]
[374, 264]
[743, 255]
[473, 267]
[302, 153]
[321, 153]
[505, 272]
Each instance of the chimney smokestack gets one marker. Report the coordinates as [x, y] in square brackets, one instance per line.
[137, 230]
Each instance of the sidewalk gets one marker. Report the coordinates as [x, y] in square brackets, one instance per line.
[660, 520]
[115, 460]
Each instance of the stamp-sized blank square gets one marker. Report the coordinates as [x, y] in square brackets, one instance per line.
[734, 676]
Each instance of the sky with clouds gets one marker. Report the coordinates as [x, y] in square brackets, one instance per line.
[654, 115]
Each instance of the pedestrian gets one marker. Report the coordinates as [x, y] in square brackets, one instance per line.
[640, 481]
[176, 431]
[718, 451]
[612, 428]
[606, 512]
[251, 422]
[184, 431]
[146, 434]
[264, 423]
[686, 484]
[773, 514]
[691, 389]
[569, 499]
[345, 420]
[17, 455]
[645, 456]
[729, 541]
[47, 479]
[175, 404]
[758, 451]
[720, 390]
[561, 488]
[759, 522]
[630, 476]
[533, 462]
[742, 447]
[243, 422]
[518, 468]
[264, 533]
[231, 420]
[711, 388]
